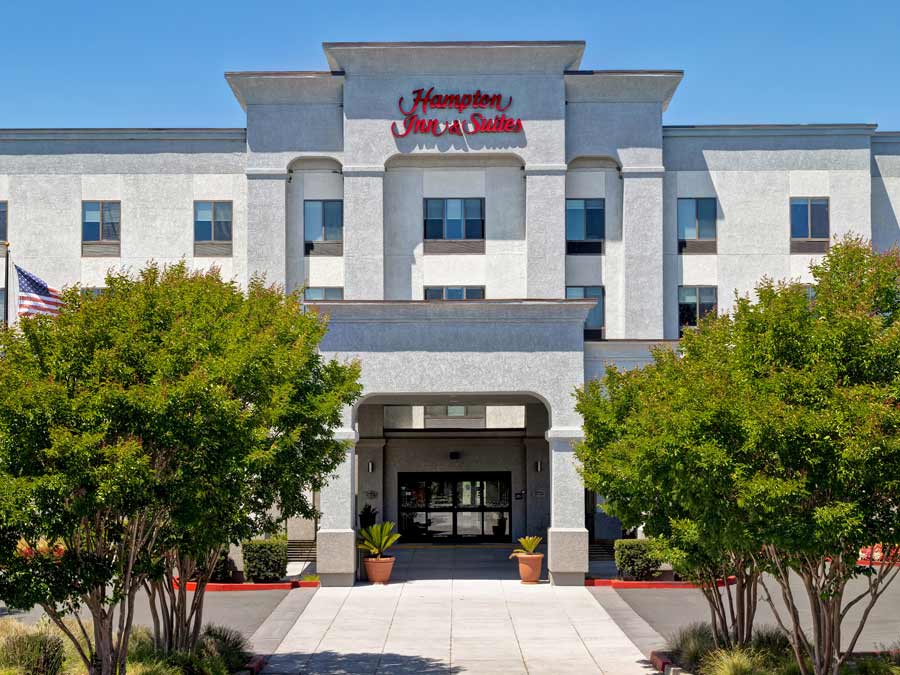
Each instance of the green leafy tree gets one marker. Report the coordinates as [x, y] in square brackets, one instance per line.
[774, 436]
[143, 429]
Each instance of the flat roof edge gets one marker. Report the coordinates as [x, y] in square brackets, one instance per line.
[865, 129]
[455, 43]
[284, 73]
[126, 133]
[651, 71]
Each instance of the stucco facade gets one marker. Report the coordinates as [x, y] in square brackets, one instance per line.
[536, 139]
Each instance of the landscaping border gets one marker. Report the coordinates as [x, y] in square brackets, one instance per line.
[622, 583]
[275, 586]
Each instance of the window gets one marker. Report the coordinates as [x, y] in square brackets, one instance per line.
[323, 220]
[454, 219]
[314, 293]
[810, 227]
[454, 292]
[454, 416]
[697, 225]
[212, 221]
[585, 226]
[4, 224]
[594, 324]
[695, 302]
[100, 221]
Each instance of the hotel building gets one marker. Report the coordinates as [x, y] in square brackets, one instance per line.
[487, 225]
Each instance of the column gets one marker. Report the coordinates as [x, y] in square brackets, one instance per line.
[545, 230]
[267, 224]
[642, 253]
[336, 539]
[363, 233]
[567, 539]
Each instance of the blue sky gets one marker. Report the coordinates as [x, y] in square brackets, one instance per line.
[160, 64]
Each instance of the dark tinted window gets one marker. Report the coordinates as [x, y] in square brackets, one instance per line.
[454, 218]
[595, 319]
[585, 219]
[809, 218]
[695, 302]
[697, 218]
[101, 221]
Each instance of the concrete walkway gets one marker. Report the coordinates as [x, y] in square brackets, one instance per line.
[456, 626]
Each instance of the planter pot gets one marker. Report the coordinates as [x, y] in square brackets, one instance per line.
[378, 570]
[530, 567]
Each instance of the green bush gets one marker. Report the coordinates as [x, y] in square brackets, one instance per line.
[199, 662]
[636, 558]
[265, 559]
[772, 641]
[690, 644]
[35, 653]
[875, 666]
[735, 662]
[226, 643]
[152, 668]
[223, 572]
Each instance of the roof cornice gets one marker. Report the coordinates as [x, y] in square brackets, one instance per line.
[125, 134]
[711, 130]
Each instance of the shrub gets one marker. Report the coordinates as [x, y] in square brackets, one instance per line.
[690, 644]
[734, 662]
[152, 668]
[772, 641]
[636, 558]
[34, 652]
[265, 559]
[200, 662]
[875, 666]
[224, 570]
[227, 643]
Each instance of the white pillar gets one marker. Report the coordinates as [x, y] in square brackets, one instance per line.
[545, 230]
[363, 233]
[567, 542]
[336, 539]
[266, 224]
[642, 253]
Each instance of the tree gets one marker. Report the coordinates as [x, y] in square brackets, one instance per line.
[660, 445]
[784, 417]
[143, 429]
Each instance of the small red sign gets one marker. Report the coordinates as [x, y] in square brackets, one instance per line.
[416, 119]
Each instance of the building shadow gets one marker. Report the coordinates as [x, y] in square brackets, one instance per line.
[355, 663]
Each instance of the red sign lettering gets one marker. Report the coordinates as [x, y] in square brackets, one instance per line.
[416, 121]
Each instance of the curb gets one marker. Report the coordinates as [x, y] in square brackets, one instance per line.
[621, 583]
[276, 586]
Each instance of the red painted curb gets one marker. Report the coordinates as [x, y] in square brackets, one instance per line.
[256, 664]
[276, 586]
[621, 583]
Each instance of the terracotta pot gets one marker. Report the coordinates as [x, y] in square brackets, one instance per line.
[378, 570]
[530, 567]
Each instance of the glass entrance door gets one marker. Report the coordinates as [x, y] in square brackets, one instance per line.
[455, 506]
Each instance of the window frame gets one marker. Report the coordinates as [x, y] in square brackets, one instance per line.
[324, 290]
[585, 246]
[697, 244]
[444, 201]
[809, 217]
[592, 334]
[444, 289]
[324, 239]
[4, 221]
[100, 239]
[697, 303]
[212, 224]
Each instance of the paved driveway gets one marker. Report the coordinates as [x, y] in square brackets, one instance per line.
[456, 626]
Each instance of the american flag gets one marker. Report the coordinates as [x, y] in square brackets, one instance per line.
[35, 296]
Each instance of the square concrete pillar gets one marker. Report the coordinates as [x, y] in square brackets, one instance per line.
[567, 538]
[266, 225]
[642, 253]
[545, 231]
[363, 233]
[336, 539]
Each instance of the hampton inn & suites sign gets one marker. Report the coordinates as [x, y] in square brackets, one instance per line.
[486, 114]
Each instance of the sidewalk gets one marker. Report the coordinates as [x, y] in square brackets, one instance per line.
[456, 626]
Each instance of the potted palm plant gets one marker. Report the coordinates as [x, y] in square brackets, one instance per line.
[529, 561]
[375, 540]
